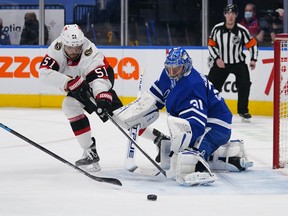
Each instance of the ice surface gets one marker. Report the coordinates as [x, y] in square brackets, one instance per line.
[34, 183]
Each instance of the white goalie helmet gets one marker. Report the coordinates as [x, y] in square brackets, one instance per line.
[72, 35]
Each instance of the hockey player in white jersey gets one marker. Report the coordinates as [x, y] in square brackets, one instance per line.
[199, 121]
[76, 66]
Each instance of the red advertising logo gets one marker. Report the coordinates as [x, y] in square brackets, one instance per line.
[127, 68]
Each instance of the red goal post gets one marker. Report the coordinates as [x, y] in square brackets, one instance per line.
[280, 112]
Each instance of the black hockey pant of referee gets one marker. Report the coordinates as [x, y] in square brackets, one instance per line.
[218, 77]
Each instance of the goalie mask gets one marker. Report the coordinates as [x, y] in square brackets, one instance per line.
[178, 63]
[73, 39]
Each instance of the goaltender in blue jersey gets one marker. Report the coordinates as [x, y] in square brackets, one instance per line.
[194, 99]
[199, 122]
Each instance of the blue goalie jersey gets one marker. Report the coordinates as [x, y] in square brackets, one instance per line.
[195, 99]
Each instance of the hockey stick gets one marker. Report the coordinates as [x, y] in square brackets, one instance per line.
[96, 178]
[130, 163]
[92, 100]
[135, 143]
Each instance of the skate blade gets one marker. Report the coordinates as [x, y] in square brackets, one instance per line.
[246, 120]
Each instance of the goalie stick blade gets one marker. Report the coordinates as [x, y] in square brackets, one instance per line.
[130, 164]
[137, 146]
[106, 180]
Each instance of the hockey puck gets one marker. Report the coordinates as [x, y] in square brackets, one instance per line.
[152, 197]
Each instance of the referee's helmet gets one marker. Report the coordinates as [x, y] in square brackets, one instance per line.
[231, 8]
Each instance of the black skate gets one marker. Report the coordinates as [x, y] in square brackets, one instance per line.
[90, 159]
[157, 141]
[237, 162]
[240, 163]
[246, 117]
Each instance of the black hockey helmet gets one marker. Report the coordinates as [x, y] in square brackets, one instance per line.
[231, 8]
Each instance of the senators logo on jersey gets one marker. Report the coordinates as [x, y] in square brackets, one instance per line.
[58, 46]
[88, 52]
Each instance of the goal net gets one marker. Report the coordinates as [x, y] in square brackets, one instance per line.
[280, 115]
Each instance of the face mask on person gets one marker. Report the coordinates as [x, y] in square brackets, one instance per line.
[248, 14]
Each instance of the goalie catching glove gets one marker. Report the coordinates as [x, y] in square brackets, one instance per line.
[103, 101]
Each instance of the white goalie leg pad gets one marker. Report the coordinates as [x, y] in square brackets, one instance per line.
[231, 157]
[180, 132]
[184, 165]
[142, 111]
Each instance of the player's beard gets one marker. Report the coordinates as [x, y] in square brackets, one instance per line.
[73, 56]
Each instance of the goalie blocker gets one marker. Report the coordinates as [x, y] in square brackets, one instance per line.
[187, 166]
[142, 111]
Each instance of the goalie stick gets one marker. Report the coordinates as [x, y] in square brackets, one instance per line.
[135, 143]
[92, 100]
[96, 178]
[130, 163]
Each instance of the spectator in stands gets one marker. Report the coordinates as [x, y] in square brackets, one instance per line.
[4, 36]
[277, 24]
[250, 21]
[30, 33]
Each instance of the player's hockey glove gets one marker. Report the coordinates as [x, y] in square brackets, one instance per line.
[103, 101]
[79, 89]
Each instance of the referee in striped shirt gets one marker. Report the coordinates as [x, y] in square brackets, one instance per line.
[226, 43]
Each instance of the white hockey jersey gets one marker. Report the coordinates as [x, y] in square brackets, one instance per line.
[56, 69]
